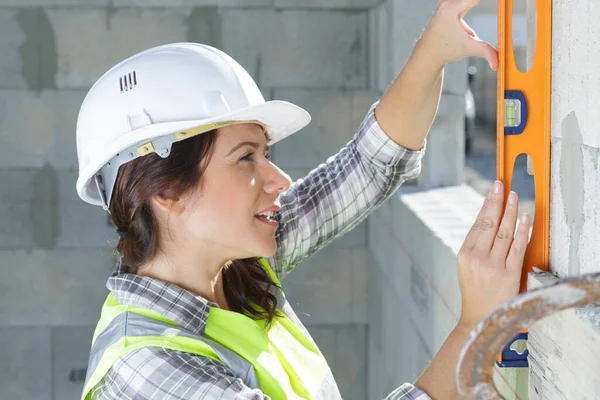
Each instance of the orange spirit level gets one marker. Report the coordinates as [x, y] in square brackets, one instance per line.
[523, 127]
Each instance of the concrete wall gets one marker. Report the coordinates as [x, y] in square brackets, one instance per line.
[564, 349]
[55, 251]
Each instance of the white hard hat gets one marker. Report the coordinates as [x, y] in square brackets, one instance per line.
[163, 95]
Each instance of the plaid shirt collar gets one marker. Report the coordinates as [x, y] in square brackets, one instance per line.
[179, 305]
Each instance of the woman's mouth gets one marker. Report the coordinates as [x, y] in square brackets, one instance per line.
[266, 217]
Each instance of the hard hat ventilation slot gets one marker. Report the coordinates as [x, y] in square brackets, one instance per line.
[128, 82]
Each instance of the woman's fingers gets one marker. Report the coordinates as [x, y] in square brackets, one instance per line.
[471, 237]
[516, 255]
[487, 224]
[506, 232]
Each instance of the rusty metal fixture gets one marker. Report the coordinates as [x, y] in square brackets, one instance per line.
[478, 356]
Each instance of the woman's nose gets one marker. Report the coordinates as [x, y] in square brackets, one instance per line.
[277, 181]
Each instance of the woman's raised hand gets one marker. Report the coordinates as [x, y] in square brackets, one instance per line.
[448, 38]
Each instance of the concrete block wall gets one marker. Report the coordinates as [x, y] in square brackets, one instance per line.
[56, 251]
[564, 348]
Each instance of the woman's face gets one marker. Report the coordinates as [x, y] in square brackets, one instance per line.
[238, 191]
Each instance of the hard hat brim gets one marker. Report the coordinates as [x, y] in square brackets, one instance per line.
[281, 119]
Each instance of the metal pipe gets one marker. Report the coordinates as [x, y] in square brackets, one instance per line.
[478, 356]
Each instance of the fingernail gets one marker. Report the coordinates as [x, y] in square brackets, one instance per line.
[497, 186]
[512, 198]
[525, 218]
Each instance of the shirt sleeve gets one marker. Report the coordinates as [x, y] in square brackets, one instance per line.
[408, 392]
[339, 194]
[158, 373]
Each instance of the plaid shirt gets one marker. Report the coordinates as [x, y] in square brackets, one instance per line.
[329, 202]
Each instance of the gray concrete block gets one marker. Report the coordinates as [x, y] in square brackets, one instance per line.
[68, 289]
[38, 128]
[336, 116]
[71, 349]
[286, 48]
[40, 208]
[328, 289]
[336, 4]
[12, 38]
[345, 348]
[28, 43]
[80, 65]
[29, 217]
[25, 363]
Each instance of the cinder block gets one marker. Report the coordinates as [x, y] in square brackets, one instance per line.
[81, 64]
[25, 362]
[292, 52]
[69, 286]
[13, 38]
[40, 209]
[29, 217]
[336, 116]
[339, 4]
[349, 367]
[71, 349]
[38, 128]
[327, 289]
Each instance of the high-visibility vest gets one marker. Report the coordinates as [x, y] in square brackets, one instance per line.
[279, 359]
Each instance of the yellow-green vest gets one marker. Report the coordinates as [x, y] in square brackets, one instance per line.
[279, 359]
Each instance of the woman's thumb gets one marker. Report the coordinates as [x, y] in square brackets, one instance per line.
[484, 50]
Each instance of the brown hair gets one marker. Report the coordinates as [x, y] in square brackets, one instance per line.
[246, 284]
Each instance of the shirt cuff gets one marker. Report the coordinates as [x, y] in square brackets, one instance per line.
[408, 392]
[376, 146]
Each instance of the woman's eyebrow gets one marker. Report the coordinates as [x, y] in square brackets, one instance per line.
[242, 144]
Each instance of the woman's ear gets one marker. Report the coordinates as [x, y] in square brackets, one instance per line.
[167, 204]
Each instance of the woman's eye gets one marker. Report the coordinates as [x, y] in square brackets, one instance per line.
[247, 157]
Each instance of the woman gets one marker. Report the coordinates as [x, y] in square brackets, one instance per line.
[208, 227]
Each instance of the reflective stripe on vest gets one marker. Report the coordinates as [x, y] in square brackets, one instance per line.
[281, 360]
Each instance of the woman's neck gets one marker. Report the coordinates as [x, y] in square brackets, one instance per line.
[194, 277]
